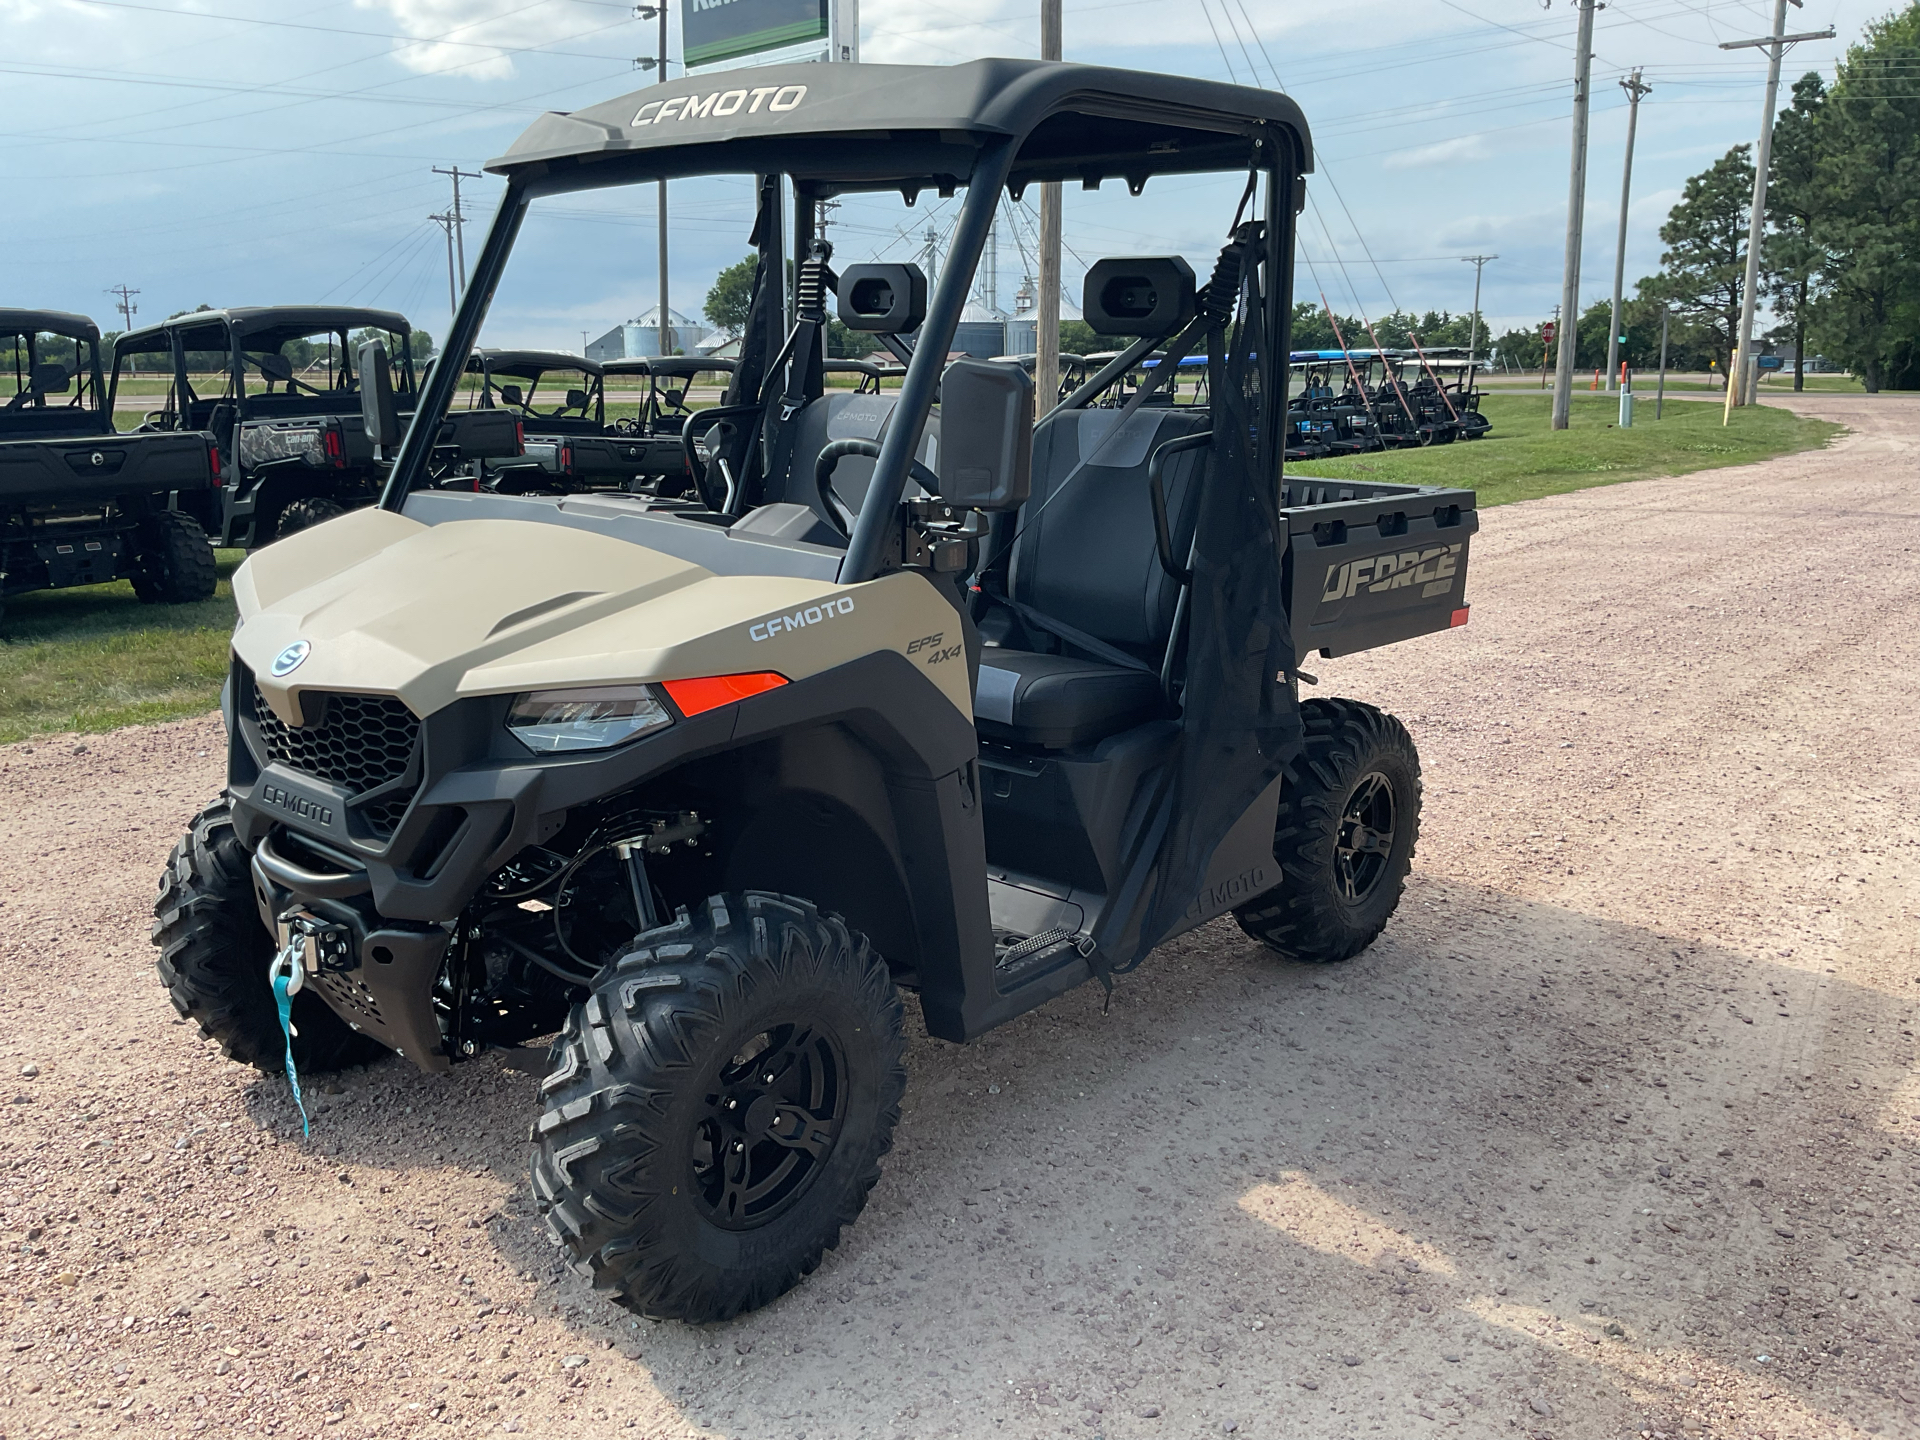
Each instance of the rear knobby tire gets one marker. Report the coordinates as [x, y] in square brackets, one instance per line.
[660, 1075]
[1342, 876]
[305, 513]
[214, 954]
[175, 563]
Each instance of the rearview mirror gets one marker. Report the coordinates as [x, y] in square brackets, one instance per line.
[51, 378]
[986, 435]
[481, 435]
[377, 410]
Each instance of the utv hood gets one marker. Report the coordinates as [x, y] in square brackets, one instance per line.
[431, 613]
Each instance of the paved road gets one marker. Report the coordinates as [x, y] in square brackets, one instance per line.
[1614, 1131]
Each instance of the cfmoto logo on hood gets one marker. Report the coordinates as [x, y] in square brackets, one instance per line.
[721, 103]
[288, 660]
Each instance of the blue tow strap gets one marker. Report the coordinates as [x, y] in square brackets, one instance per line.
[286, 967]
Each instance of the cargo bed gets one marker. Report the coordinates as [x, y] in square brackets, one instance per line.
[1368, 564]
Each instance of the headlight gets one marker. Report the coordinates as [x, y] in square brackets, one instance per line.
[550, 721]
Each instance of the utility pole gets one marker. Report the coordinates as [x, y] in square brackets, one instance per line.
[445, 221]
[1479, 263]
[459, 215]
[126, 307]
[1776, 43]
[660, 74]
[1046, 317]
[1576, 221]
[1634, 90]
[657, 63]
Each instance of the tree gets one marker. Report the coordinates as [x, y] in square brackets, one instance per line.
[1789, 256]
[731, 297]
[1703, 270]
[844, 343]
[1865, 211]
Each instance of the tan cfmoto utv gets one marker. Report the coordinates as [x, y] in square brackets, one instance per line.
[913, 692]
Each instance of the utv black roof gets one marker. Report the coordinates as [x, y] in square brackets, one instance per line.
[666, 365]
[517, 362]
[854, 127]
[56, 322]
[253, 319]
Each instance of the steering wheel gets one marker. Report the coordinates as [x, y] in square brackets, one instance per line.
[698, 424]
[838, 513]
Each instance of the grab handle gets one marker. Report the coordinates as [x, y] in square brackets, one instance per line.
[1162, 540]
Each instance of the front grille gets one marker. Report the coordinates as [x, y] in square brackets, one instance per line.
[358, 742]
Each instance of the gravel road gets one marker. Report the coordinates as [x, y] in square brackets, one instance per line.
[1614, 1133]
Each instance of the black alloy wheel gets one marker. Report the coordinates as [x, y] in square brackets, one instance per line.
[772, 1119]
[1364, 847]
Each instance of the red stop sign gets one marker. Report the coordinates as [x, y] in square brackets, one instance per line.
[1547, 332]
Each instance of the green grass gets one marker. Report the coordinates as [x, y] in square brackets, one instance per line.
[94, 658]
[1523, 458]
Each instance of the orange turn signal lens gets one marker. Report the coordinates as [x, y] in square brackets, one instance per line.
[695, 697]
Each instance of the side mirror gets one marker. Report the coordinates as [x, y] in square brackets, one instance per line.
[986, 435]
[1149, 295]
[576, 399]
[883, 299]
[482, 435]
[377, 410]
[51, 378]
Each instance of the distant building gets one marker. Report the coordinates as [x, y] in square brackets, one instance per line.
[641, 336]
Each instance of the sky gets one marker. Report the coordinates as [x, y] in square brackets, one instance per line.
[234, 152]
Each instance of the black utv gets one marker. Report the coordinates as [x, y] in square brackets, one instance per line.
[560, 403]
[277, 388]
[925, 696]
[80, 502]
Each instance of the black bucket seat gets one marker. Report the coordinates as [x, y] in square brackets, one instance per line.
[1085, 556]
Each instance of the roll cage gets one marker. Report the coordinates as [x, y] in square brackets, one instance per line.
[248, 347]
[989, 126]
[665, 405]
[45, 353]
[501, 372]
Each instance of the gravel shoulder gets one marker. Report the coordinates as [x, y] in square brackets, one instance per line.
[1615, 1131]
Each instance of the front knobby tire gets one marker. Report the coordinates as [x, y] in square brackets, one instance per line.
[1344, 837]
[719, 1107]
[214, 954]
[175, 564]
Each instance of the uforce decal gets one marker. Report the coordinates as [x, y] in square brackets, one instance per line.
[1432, 569]
[297, 804]
[800, 619]
[720, 104]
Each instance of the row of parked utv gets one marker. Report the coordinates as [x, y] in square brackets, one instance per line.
[278, 441]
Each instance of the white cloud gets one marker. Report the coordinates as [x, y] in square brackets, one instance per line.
[1463, 147]
[477, 38]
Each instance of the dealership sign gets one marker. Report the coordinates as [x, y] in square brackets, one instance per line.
[716, 30]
